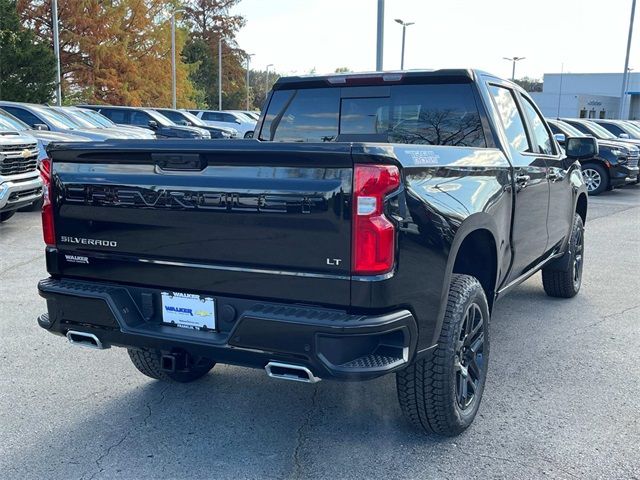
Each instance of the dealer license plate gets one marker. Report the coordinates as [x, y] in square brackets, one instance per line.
[189, 311]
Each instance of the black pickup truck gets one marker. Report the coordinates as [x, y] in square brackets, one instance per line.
[368, 229]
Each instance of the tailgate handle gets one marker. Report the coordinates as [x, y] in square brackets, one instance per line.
[179, 161]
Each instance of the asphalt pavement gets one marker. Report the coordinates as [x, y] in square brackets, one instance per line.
[562, 397]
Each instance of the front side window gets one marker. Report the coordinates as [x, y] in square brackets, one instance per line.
[24, 115]
[541, 136]
[511, 119]
[140, 118]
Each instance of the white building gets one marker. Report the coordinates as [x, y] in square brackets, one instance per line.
[588, 95]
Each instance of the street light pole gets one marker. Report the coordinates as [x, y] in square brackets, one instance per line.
[380, 36]
[220, 72]
[173, 57]
[266, 84]
[249, 55]
[56, 51]
[513, 67]
[404, 34]
[626, 61]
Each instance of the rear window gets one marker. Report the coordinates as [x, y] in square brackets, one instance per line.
[410, 114]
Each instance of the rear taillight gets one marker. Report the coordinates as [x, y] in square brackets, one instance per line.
[48, 230]
[373, 234]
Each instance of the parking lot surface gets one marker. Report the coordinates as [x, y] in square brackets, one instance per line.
[561, 399]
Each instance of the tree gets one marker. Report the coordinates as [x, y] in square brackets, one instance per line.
[209, 20]
[27, 68]
[114, 52]
[259, 87]
[530, 84]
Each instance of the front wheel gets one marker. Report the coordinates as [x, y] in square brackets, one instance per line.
[4, 216]
[564, 277]
[596, 179]
[441, 394]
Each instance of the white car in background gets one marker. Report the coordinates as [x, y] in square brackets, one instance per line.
[243, 124]
[247, 113]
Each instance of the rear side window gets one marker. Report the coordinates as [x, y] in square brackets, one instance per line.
[27, 117]
[116, 116]
[212, 117]
[511, 120]
[410, 114]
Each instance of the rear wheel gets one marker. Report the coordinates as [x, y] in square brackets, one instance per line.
[596, 178]
[4, 216]
[248, 135]
[441, 394]
[149, 362]
[565, 281]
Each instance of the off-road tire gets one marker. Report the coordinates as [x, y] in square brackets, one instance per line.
[566, 282]
[148, 362]
[428, 389]
[4, 216]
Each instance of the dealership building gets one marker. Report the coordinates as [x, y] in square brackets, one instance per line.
[588, 95]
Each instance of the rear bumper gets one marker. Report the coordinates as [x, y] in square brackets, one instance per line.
[330, 343]
[16, 194]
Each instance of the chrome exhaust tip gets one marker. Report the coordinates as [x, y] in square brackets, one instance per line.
[286, 371]
[83, 339]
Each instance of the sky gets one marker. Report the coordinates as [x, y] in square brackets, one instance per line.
[297, 36]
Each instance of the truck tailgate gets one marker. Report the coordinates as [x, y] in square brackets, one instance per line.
[239, 217]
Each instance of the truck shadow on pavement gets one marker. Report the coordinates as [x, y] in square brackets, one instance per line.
[239, 423]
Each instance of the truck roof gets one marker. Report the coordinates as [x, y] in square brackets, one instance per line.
[458, 75]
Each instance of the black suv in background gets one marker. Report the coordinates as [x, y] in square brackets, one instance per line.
[616, 163]
[181, 117]
[149, 118]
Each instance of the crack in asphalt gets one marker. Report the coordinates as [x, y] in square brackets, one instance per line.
[301, 436]
[135, 427]
[17, 265]
[523, 464]
[607, 317]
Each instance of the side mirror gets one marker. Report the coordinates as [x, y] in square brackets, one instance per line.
[153, 124]
[560, 138]
[40, 126]
[624, 135]
[581, 148]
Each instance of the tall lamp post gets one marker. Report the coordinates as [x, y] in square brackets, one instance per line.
[173, 57]
[56, 50]
[220, 72]
[513, 68]
[380, 36]
[249, 55]
[626, 61]
[266, 84]
[404, 34]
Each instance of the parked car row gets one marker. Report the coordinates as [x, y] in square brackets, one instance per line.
[616, 163]
[27, 129]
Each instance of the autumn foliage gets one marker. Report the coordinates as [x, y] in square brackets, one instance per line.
[119, 51]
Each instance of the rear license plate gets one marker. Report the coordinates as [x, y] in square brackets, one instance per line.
[189, 311]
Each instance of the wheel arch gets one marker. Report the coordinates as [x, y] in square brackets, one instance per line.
[474, 251]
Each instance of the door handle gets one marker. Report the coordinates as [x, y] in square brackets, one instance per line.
[522, 180]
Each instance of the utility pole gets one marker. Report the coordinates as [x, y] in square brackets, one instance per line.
[626, 61]
[249, 55]
[220, 72]
[56, 50]
[560, 91]
[380, 36]
[266, 83]
[173, 58]
[404, 34]
[513, 67]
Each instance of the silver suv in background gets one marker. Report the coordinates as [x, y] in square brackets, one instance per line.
[20, 182]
